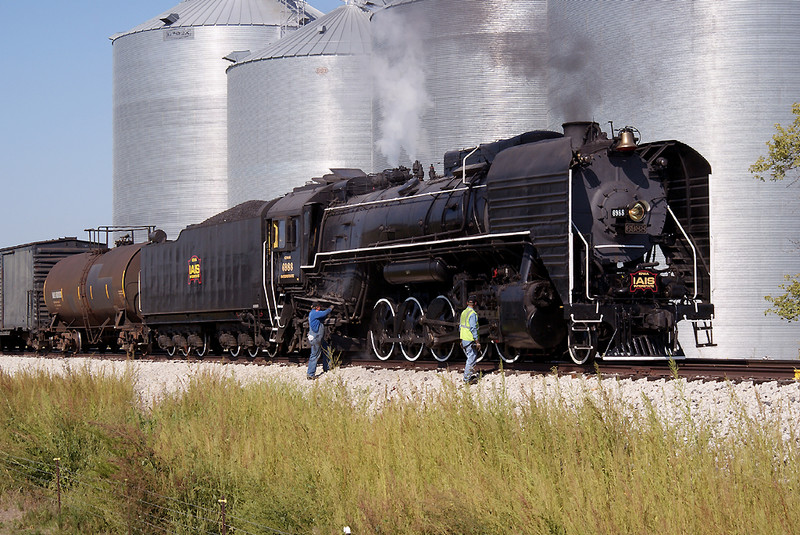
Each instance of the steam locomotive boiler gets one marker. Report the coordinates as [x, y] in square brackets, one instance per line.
[575, 243]
[578, 244]
[570, 241]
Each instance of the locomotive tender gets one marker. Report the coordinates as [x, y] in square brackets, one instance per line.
[574, 243]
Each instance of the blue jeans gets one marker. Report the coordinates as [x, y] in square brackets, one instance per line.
[317, 349]
[472, 356]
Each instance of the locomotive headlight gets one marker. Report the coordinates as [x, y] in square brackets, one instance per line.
[638, 210]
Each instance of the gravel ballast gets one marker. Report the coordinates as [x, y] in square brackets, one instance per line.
[717, 404]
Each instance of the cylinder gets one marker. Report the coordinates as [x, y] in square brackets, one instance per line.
[93, 289]
[528, 317]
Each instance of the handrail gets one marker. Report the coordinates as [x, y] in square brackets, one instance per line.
[691, 244]
[396, 246]
[586, 246]
[272, 286]
[570, 240]
[264, 280]
[464, 165]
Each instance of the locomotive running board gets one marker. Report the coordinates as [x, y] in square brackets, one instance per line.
[476, 237]
[648, 358]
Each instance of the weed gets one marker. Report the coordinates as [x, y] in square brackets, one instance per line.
[303, 460]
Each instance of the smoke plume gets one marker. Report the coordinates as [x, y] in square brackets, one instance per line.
[399, 82]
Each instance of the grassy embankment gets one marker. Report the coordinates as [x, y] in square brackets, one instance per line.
[315, 461]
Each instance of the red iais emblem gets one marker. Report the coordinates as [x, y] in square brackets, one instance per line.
[195, 274]
[643, 280]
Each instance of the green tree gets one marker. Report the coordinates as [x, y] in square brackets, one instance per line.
[783, 158]
[787, 305]
[784, 151]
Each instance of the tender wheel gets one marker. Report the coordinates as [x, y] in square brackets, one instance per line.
[253, 351]
[382, 328]
[171, 351]
[411, 332]
[441, 310]
[201, 351]
[76, 342]
[582, 346]
[507, 354]
[186, 351]
[234, 351]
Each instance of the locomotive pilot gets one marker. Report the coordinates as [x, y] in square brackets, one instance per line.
[469, 337]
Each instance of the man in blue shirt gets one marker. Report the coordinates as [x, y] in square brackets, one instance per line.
[316, 336]
[469, 337]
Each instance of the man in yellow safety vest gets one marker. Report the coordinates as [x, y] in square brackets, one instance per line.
[469, 337]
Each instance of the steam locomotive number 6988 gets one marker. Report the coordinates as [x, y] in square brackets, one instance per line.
[579, 244]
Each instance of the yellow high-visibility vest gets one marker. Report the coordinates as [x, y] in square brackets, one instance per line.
[466, 333]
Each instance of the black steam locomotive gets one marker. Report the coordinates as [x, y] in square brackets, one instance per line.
[574, 243]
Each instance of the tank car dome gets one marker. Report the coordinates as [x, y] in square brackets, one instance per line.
[170, 106]
[455, 73]
[675, 82]
[301, 107]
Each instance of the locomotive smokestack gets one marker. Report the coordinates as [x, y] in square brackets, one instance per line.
[581, 132]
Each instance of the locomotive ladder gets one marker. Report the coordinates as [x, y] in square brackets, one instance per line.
[579, 325]
[705, 327]
[584, 328]
[276, 324]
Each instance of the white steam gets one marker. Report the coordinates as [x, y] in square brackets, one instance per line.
[399, 82]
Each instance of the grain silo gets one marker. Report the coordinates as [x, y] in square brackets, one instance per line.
[301, 107]
[455, 73]
[170, 106]
[718, 76]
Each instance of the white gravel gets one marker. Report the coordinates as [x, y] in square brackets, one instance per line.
[676, 401]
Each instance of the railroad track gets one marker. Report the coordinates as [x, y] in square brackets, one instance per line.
[693, 369]
[756, 370]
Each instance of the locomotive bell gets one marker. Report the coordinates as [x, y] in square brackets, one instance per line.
[626, 142]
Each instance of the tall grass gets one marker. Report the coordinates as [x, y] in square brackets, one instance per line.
[314, 460]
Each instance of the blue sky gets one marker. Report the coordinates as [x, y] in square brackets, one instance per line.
[55, 131]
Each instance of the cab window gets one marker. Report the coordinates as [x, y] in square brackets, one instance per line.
[284, 234]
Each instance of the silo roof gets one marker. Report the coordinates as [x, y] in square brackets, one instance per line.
[222, 13]
[344, 31]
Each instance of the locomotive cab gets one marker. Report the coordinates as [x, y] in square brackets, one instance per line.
[291, 231]
[283, 246]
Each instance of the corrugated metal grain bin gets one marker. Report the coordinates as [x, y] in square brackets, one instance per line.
[23, 270]
[170, 107]
[454, 73]
[301, 107]
[718, 76]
